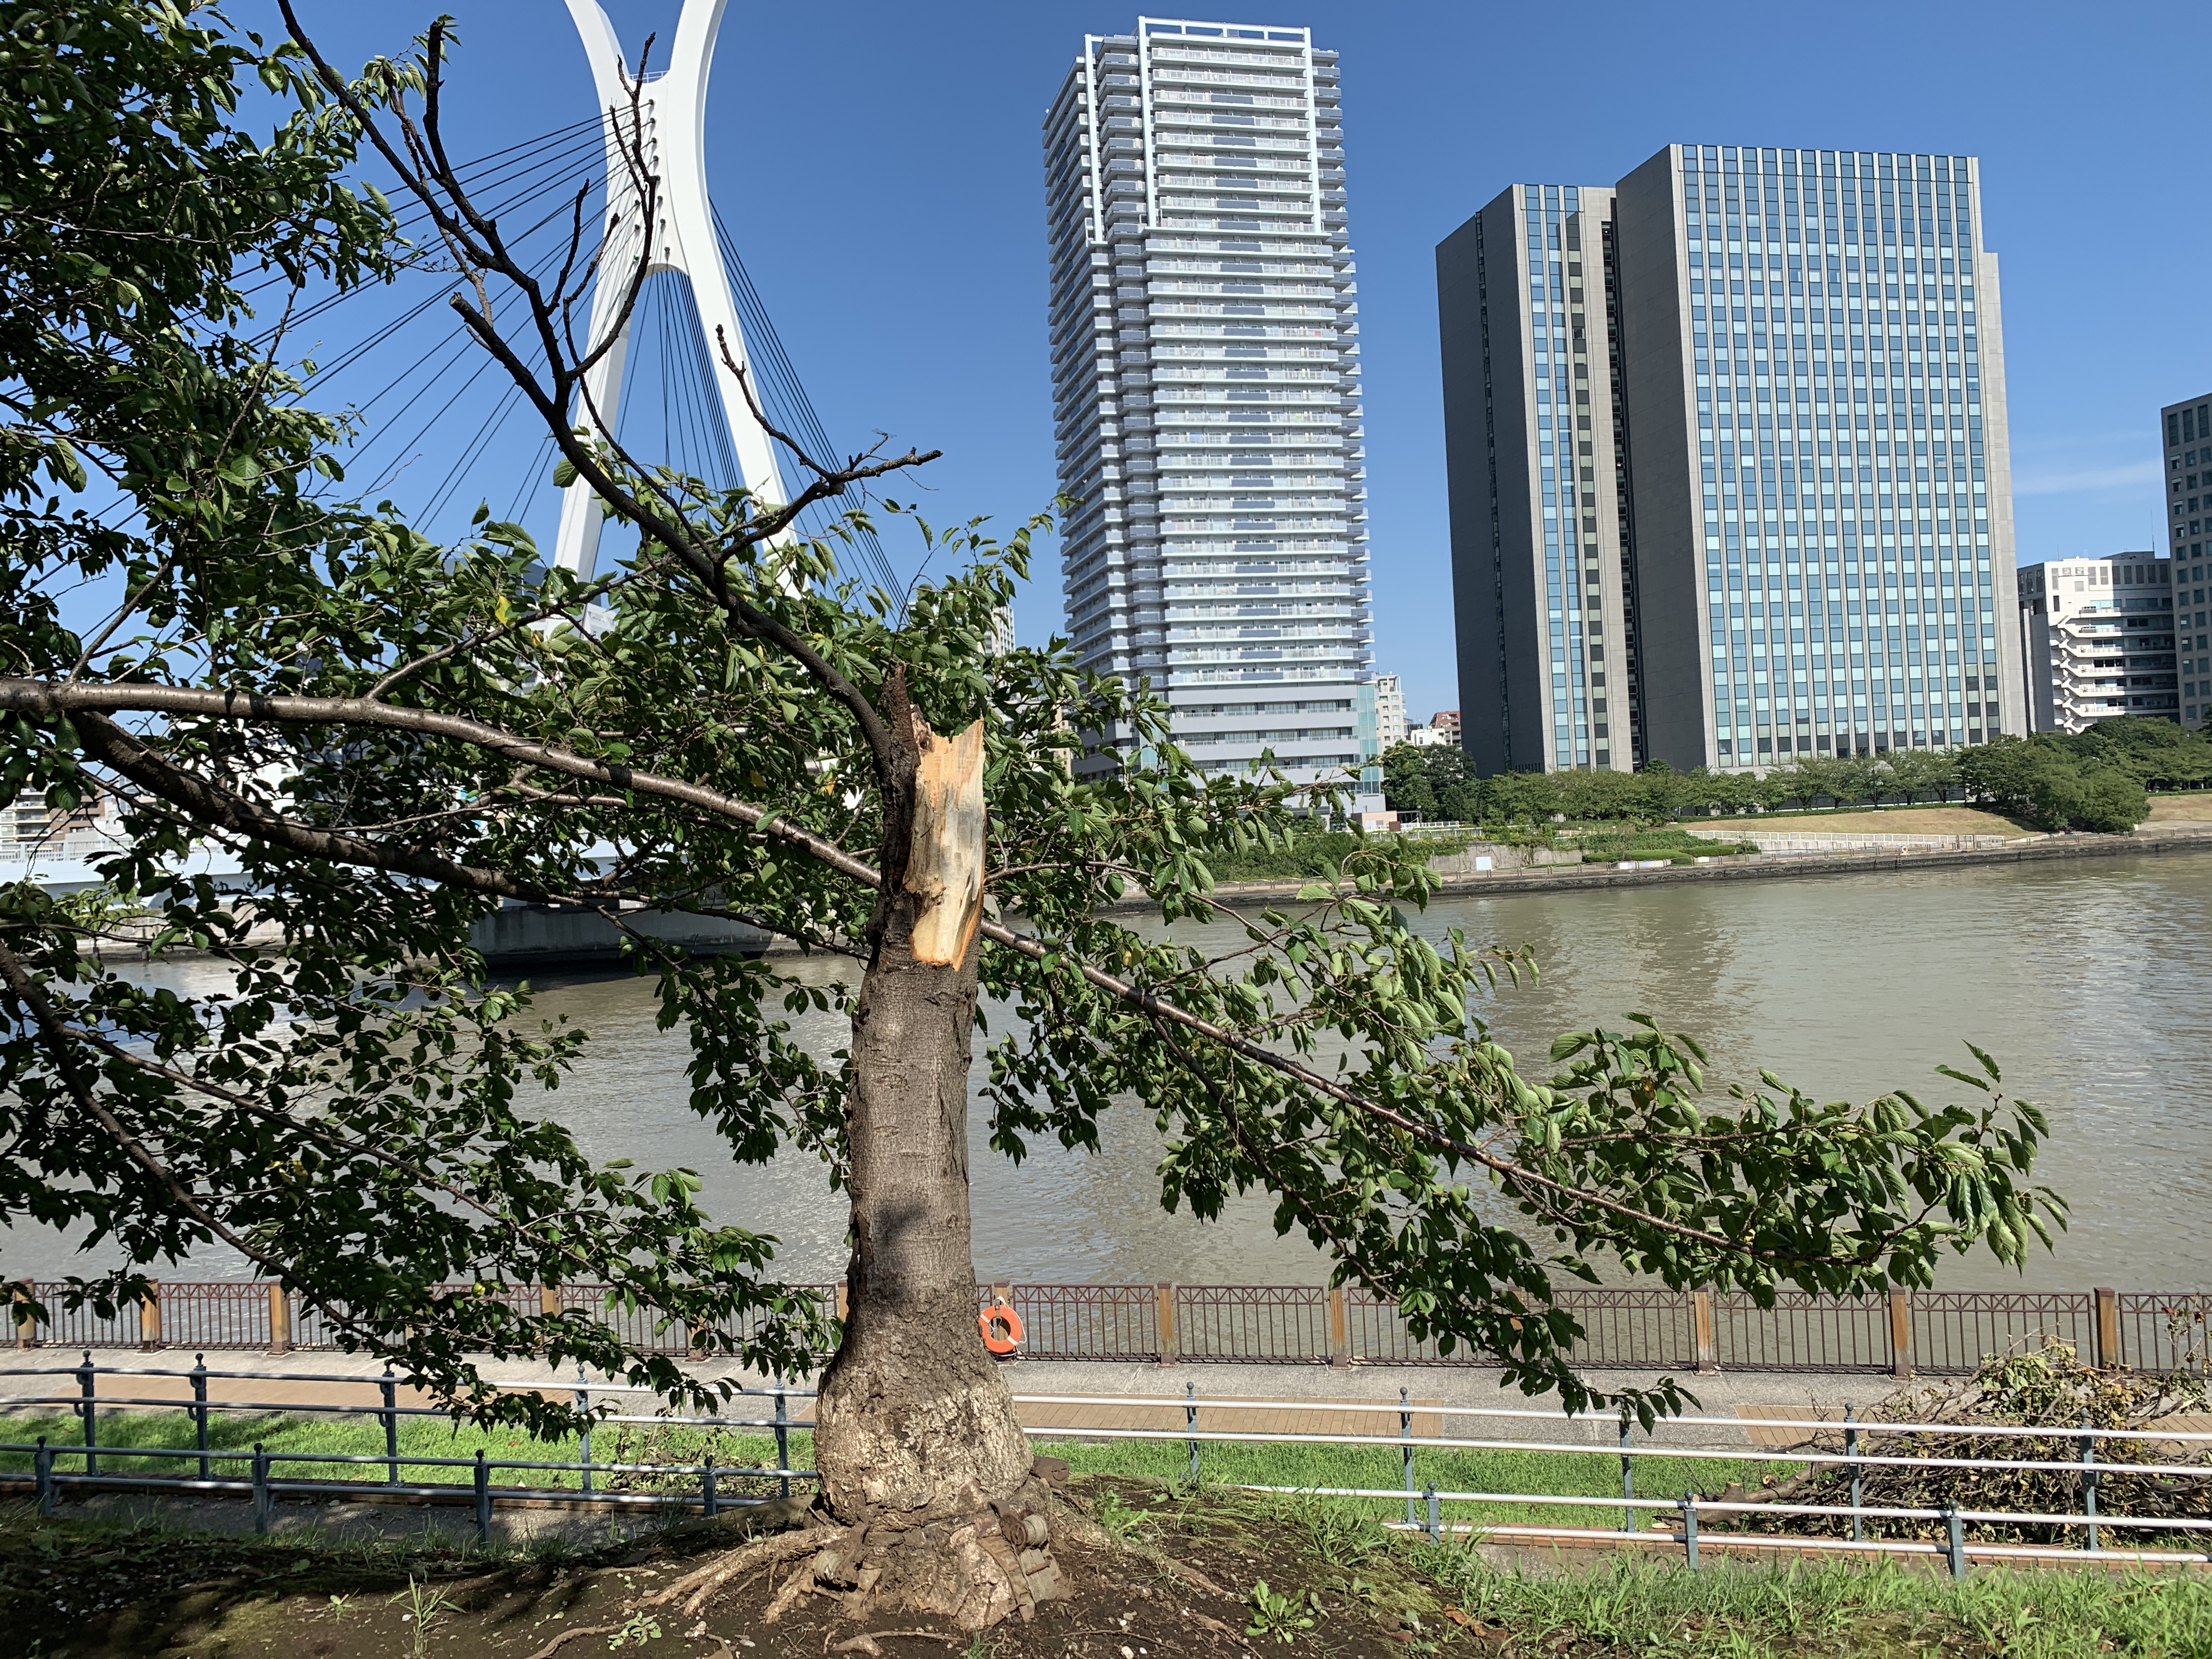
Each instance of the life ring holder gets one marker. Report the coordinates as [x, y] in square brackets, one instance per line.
[1001, 1328]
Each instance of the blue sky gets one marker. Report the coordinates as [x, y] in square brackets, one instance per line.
[879, 165]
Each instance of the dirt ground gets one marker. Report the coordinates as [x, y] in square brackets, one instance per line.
[1184, 1583]
[1896, 821]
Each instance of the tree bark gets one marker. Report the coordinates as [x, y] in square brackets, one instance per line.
[918, 1445]
[914, 1409]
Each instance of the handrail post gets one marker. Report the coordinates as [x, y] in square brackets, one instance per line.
[1436, 1515]
[584, 1404]
[707, 1488]
[483, 1501]
[1956, 1547]
[1701, 1327]
[21, 1295]
[2108, 1327]
[2089, 1481]
[1340, 1331]
[280, 1318]
[1190, 1421]
[149, 1317]
[1406, 1453]
[1627, 1480]
[1851, 1450]
[1900, 1332]
[782, 1440]
[1690, 1529]
[42, 1468]
[88, 1409]
[388, 1385]
[262, 1499]
[1163, 1313]
[200, 1412]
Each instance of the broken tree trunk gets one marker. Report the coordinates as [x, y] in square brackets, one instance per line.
[918, 1445]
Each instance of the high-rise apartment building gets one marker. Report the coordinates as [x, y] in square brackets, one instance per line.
[1206, 383]
[1728, 468]
[2097, 636]
[2185, 434]
[1389, 710]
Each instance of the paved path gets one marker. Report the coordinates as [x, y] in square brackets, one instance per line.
[1270, 1399]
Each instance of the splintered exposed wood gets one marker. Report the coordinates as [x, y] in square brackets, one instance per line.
[945, 868]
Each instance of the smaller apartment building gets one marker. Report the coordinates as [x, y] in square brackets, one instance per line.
[2098, 638]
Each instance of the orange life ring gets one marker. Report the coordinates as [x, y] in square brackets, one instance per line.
[1002, 1328]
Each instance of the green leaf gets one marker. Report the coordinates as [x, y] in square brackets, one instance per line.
[62, 460]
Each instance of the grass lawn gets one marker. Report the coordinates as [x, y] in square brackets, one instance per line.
[1221, 1464]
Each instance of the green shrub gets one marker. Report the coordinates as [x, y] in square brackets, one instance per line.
[1675, 846]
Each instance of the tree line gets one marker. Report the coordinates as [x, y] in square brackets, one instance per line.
[2097, 780]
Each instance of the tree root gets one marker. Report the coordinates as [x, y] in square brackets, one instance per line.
[568, 1636]
[1190, 1576]
[1208, 1623]
[701, 1584]
[801, 1581]
[866, 1643]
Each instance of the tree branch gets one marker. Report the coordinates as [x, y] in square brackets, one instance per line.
[39, 697]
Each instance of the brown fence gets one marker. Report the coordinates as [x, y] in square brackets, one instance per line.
[1930, 1332]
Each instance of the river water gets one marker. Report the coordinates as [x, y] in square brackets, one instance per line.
[2089, 980]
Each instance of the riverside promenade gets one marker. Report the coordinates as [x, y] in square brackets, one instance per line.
[303, 1381]
[2174, 836]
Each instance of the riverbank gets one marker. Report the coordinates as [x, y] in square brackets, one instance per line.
[2193, 837]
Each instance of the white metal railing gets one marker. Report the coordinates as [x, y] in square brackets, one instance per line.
[1423, 1502]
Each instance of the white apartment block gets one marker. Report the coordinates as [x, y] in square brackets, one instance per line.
[2097, 636]
[1205, 383]
[1389, 710]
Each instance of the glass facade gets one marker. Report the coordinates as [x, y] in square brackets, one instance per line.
[2185, 437]
[1542, 578]
[1561, 259]
[1798, 495]
[1849, 567]
[1206, 378]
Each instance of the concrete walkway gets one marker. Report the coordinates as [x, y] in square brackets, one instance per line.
[1078, 1395]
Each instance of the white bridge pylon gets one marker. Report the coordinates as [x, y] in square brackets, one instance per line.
[673, 110]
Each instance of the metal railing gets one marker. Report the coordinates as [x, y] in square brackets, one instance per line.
[264, 1485]
[1935, 1333]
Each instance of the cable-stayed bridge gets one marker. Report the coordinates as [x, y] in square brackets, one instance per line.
[439, 427]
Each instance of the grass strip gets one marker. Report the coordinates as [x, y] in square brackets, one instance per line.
[1626, 1606]
[1594, 1474]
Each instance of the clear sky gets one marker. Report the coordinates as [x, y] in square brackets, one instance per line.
[880, 166]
